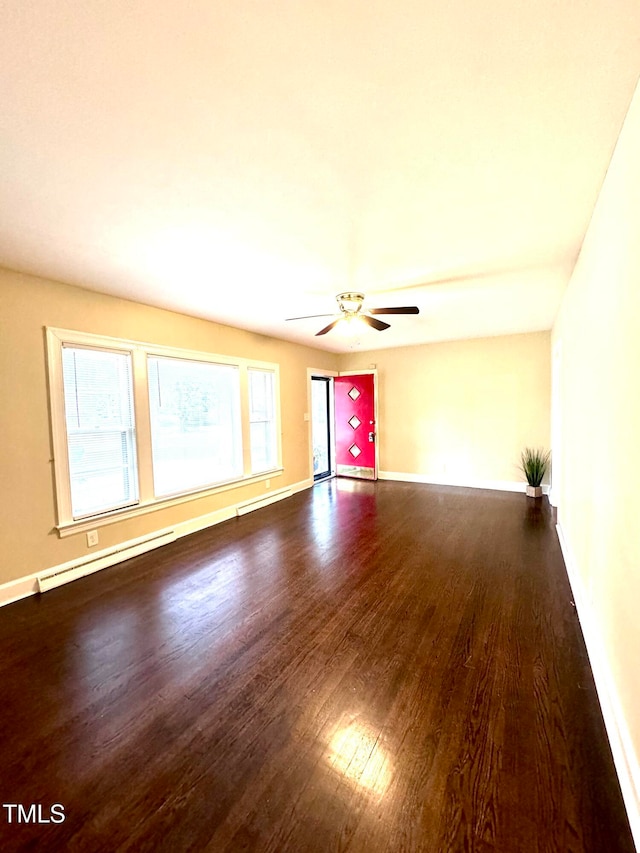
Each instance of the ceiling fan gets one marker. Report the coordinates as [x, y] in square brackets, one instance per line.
[350, 305]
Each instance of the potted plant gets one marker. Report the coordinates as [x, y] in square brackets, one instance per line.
[534, 464]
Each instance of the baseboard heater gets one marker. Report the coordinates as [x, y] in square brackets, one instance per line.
[258, 503]
[79, 569]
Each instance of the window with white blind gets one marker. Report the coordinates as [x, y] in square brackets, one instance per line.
[196, 434]
[136, 425]
[262, 407]
[101, 447]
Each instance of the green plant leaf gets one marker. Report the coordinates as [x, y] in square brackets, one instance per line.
[533, 464]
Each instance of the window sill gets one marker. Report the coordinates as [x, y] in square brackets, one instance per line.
[69, 528]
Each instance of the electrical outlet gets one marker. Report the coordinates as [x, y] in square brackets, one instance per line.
[92, 538]
[267, 484]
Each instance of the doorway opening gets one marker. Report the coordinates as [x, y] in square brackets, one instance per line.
[322, 426]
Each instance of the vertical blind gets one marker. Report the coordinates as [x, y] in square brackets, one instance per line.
[99, 414]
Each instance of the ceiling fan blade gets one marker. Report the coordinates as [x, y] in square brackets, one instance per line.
[408, 309]
[309, 316]
[329, 327]
[377, 324]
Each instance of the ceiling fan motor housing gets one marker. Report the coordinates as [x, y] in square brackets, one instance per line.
[350, 303]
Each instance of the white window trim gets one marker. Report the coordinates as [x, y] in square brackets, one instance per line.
[56, 339]
[275, 420]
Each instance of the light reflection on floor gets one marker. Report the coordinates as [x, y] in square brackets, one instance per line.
[327, 498]
[357, 753]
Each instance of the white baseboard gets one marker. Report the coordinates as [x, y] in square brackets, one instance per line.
[260, 502]
[201, 522]
[624, 756]
[495, 485]
[302, 485]
[19, 588]
[28, 585]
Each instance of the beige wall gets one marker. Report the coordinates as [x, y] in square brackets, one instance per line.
[461, 411]
[455, 411]
[598, 446]
[28, 541]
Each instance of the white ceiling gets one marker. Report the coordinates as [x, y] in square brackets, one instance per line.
[246, 161]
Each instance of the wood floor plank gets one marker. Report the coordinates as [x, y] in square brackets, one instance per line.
[362, 667]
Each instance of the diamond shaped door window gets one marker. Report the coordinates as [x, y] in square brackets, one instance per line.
[354, 393]
[354, 422]
[355, 451]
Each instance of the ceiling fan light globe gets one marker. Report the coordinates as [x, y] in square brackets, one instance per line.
[351, 325]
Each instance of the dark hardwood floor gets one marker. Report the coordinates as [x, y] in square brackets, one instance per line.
[364, 667]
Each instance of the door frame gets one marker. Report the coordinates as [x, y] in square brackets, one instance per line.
[321, 373]
[373, 372]
[556, 424]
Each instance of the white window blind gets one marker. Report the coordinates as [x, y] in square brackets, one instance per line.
[264, 446]
[196, 433]
[100, 427]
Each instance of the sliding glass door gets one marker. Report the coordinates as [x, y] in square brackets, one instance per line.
[321, 390]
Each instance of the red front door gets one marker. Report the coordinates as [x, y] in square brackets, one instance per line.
[355, 426]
